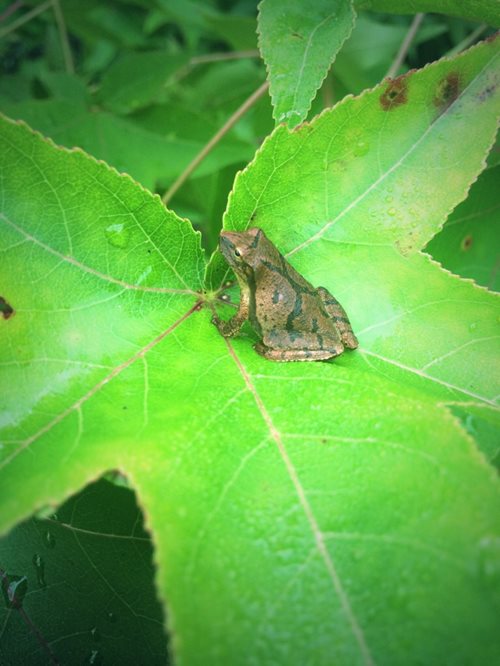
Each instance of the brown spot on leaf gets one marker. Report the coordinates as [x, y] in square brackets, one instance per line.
[466, 243]
[395, 94]
[6, 310]
[447, 91]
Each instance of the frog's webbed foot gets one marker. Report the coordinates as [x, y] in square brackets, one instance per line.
[287, 355]
[223, 327]
[228, 328]
[339, 316]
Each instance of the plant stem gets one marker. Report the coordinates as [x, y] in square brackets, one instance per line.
[405, 46]
[63, 35]
[470, 39]
[230, 122]
[11, 9]
[25, 18]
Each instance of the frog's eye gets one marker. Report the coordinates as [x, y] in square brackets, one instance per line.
[237, 252]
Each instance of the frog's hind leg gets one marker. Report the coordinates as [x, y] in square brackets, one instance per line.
[339, 316]
[287, 355]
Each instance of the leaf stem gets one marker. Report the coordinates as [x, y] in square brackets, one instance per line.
[63, 35]
[405, 46]
[230, 122]
[25, 18]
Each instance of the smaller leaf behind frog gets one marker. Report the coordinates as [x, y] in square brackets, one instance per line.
[296, 321]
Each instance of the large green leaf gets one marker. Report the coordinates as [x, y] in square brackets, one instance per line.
[476, 10]
[301, 513]
[299, 42]
[370, 202]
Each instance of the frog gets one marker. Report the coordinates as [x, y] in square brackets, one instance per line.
[294, 320]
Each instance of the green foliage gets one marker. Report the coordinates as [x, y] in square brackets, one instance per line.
[475, 10]
[298, 47]
[79, 561]
[339, 512]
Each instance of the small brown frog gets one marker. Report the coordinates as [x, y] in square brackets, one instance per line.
[296, 321]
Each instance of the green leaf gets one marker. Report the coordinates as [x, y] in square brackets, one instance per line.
[79, 589]
[301, 512]
[299, 42]
[148, 156]
[137, 79]
[238, 31]
[482, 422]
[467, 245]
[475, 10]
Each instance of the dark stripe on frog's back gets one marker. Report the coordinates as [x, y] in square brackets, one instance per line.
[299, 283]
[252, 306]
[296, 312]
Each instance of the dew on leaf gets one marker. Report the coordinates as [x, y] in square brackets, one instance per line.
[14, 589]
[94, 658]
[391, 212]
[361, 148]
[96, 634]
[111, 617]
[49, 539]
[39, 565]
[473, 326]
[489, 564]
[118, 235]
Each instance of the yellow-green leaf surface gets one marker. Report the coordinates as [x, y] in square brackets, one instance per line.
[367, 184]
[301, 513]
[299, 42]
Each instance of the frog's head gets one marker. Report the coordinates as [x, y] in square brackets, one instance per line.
[243, 249]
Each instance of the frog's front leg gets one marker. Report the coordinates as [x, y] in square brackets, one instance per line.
[339, 316]
[232, 326]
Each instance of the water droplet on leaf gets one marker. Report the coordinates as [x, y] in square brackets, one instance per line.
[14, 589]
[95, 633]
[49, 539]
[117, 235]
[94, 658]
[489, 565]
[361, 148]
[39, 565]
